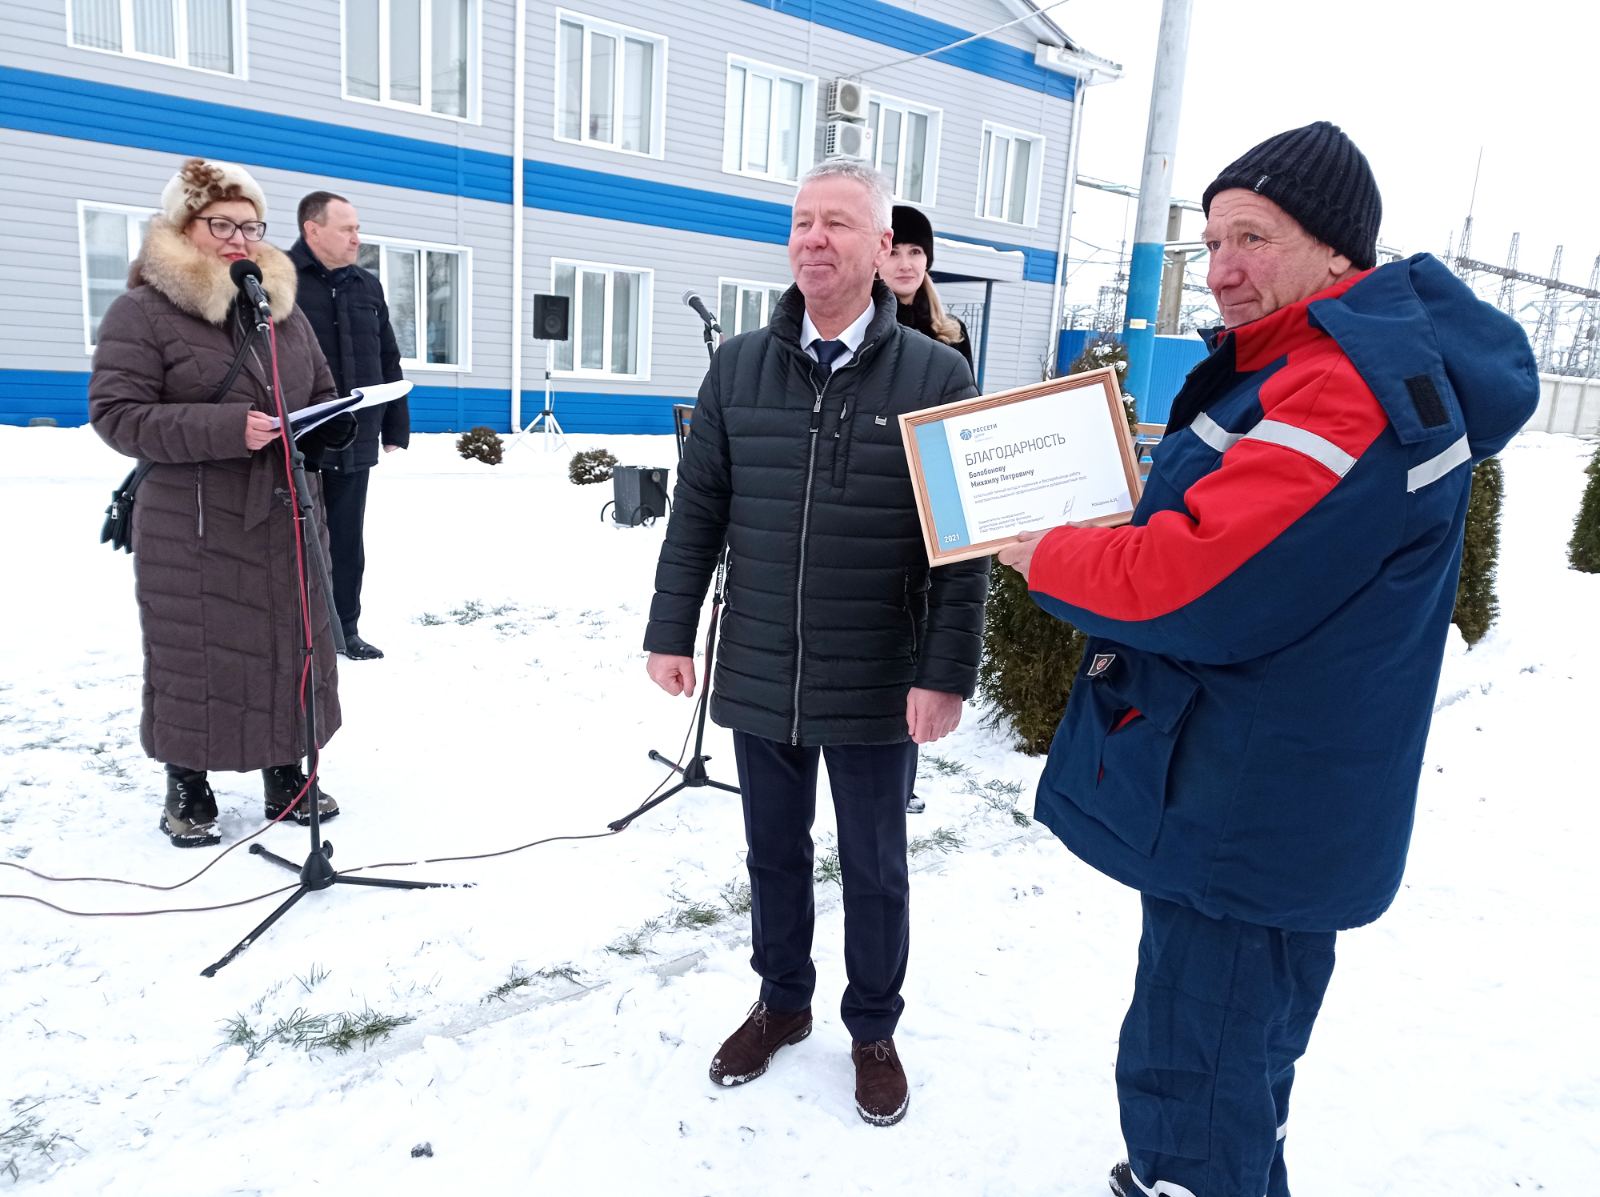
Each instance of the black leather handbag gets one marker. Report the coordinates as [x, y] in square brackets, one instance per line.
[117, 529]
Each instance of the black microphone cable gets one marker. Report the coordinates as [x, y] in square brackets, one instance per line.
[489, 855]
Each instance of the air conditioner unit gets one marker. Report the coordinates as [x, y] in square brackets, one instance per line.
[846, 139]
[847, 100]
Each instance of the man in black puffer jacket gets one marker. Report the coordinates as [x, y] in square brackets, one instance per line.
[836, 640]
[350, 316]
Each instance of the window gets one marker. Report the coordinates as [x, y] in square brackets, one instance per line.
[1008, 179]
[203, 34]
[610, 85]
[110, 236]
[747, 305]
[905, 146]
[770, 122]
[610, 319]
[413, 53]
[427, 287]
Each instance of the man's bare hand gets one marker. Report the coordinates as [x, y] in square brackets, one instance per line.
[1019, 554]
[675, 675]
[258, 430]
[931, 714]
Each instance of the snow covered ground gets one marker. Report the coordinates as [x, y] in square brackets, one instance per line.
[1457, 1053]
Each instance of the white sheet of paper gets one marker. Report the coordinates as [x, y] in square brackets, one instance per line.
[307, 418]
[1023, 466]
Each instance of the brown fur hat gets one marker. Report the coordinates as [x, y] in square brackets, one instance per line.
[199, 183]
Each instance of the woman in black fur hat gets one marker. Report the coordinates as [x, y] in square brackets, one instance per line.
[906, 273]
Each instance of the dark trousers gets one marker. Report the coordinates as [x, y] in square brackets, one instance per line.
[1221, 1011]
[344, 497]
[870, 784]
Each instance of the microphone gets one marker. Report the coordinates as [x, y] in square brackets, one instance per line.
[695, 302]
[246, 276]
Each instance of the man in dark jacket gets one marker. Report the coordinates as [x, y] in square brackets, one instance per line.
[1244, 742]
[836, 640]
[346, 307]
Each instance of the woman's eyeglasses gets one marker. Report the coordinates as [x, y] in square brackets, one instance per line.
[222, 228]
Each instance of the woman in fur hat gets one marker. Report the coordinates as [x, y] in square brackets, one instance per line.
[906, 272]
[215, 568]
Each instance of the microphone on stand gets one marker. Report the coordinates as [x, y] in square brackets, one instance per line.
[246, 276]
[694, 301]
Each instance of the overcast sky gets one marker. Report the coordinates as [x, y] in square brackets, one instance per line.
[1419, 85]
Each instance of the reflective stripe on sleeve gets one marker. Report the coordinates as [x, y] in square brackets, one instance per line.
[1214, 434]
[1438, 466]
[1292, 436]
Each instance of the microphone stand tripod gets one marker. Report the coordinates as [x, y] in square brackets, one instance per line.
[317, 871]
[694, 773]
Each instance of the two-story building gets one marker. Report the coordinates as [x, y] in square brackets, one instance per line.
[617, 152]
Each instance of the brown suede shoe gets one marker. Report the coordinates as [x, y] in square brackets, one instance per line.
[881, 1093]
[750, 1049]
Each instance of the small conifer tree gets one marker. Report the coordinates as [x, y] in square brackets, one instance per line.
[590, 466]
[1476, 605]
[480, 444]
[1583, 551]
[1030, 658]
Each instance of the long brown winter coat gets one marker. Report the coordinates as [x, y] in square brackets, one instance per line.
[213, 531]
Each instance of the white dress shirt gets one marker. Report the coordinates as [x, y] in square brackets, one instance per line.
[851, 336]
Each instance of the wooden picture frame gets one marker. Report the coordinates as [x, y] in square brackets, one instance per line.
[1034, 457]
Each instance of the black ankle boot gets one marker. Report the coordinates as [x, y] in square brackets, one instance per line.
[282, 784]
[189, 818]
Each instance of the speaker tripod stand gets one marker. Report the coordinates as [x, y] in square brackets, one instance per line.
[545, 422]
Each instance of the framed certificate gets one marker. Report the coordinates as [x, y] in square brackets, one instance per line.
[1033, 457]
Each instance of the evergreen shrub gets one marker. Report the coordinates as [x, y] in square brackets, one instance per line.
[480, 444]
[1030, 659]
[1583, 551]
[1476, 605]
[592, 465]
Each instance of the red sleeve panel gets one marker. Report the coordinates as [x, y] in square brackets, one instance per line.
[1285, 518]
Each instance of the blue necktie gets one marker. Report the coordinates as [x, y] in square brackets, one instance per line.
[827, 353]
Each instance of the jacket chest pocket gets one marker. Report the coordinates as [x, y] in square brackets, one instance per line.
[866, 441]
[1177, 463]
[365, 320]
[1127, 713]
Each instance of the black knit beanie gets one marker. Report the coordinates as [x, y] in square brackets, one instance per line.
[912, 226]
[1318, 176]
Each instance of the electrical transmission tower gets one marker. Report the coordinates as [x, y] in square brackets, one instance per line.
[1561, 311]
[1583, 354]
[1508, 285]
[1544, 332]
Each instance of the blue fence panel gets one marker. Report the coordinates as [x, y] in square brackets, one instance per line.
[1173, 359]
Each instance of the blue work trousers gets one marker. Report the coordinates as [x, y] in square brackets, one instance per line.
[1221, 1011]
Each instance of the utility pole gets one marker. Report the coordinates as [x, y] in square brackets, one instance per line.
[1175, 265]
[1155, 188]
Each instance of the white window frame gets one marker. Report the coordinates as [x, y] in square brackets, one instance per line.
[474, 113]
[729, 321]
[180, 41]
[930, 168]
[647, 290]
[85, 207]
[733, 156]
[1030, 214]
[464, 339]
[658, 107]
